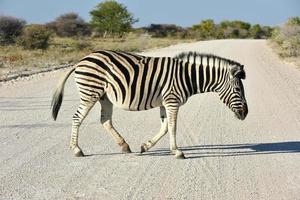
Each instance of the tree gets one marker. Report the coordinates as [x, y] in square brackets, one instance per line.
[111, 17]
[267, 31]
[235, 29]
[206, 29]
[256, 31]
[68, 25]
[10, 28]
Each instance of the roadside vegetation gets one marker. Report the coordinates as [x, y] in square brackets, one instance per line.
[68, 37]
[286, 40]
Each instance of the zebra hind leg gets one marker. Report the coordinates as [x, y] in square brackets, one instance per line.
[106, 121]
[78, 117]
[163, 130]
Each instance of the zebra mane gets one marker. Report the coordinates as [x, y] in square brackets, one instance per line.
[191, 56]
[236, 68]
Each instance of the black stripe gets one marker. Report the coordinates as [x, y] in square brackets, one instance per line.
[213, 75]
[171, 76]
[134, 83]
[114, 90]
[201, 77]
[121, 66]
[218, 76]
[142, 86]
[223, 75]
[101, 64]
[154, 67]
[89, 90]
[176, 82]
[207, 74]
[89, 85]
[187, 78]
[165, 77]
[89, 74]
[161, 69]
[90, 81]
[125, 56]
[136, 56]
[135, 68]
[89, 67]
[194, 79]
[81, 99]
[223, 94]
[83, 92]
[181, 79]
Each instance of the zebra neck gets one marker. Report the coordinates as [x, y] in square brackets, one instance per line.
[207, 78]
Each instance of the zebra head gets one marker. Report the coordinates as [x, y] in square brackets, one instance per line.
[233, 94]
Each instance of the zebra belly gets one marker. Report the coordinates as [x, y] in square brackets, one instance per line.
[135, 104]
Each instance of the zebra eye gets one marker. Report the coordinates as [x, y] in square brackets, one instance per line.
[237, 89]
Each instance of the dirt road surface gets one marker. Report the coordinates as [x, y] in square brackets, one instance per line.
[258, 158]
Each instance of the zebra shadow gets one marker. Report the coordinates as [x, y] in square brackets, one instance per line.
[227, 150]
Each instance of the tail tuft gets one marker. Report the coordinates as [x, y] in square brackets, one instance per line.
[58, 95]
[56, 102]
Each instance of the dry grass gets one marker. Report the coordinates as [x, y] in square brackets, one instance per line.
[295, 60]
[70, 50]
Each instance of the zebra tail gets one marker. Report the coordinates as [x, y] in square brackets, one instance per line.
[58, 94]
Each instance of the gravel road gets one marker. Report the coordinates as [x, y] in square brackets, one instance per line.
[258, 158]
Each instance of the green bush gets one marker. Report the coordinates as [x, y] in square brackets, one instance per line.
[10, 29]
[112, 18]
[234, 29]
[35, 37]
[206, 29]
[256, 32]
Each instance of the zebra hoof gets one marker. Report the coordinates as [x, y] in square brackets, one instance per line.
[179, 155]
[126, 148]
[144, 148]
[79, 154]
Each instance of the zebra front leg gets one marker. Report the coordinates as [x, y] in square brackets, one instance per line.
[78, 117]
[106, 121]
[172, 111]
[163, 130]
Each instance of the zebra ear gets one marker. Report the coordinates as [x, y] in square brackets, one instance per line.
[238, 72]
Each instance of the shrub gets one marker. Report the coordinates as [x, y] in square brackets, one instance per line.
[35, 37]
[234, 29]
[267, 30]
[287, 38]
[256, 32]
[165, 30]
[10, 28]
[206, 29]
[69, 25]
[293, 21]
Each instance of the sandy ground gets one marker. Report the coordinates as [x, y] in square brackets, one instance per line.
[226, 158]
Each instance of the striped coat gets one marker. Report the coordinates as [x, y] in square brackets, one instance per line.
[134, 82]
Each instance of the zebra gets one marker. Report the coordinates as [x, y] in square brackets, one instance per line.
[134, 82]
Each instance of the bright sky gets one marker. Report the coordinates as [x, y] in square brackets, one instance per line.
[181, 12]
